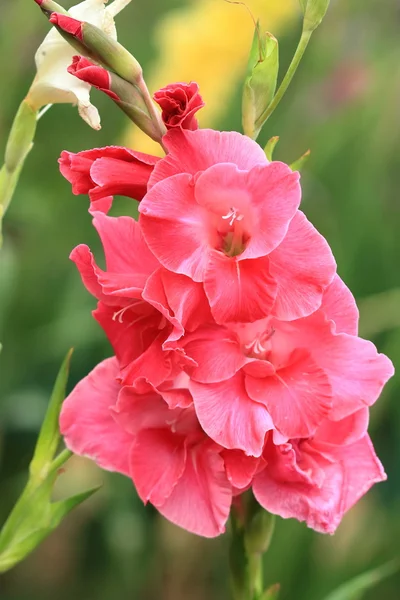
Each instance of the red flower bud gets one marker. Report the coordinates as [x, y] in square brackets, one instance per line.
[179, 103]
[67, 24]
[85, 70]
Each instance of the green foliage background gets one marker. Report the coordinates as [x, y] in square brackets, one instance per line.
[344, 105]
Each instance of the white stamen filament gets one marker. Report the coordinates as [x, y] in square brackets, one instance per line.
[233, 215]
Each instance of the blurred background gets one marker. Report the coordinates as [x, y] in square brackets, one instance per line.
[344, 104]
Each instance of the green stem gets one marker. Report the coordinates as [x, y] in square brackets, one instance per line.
[153, 112]
[298, 55]
[60, 460]
[252, 529]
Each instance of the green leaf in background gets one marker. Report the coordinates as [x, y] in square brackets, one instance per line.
[260, 83]
[298, 164]
[34, 516]
[354, 589]
[272, 592]
[270, 147]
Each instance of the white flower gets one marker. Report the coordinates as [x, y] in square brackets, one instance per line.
[53, 84]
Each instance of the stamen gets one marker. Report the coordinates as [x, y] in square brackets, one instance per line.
[233, 215]
[120, 313]
[259, 347]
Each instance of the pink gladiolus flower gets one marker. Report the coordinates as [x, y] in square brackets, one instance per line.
[179, 103]
[169, 458]
[318, 480]
[286, 376]
[237, 361]
[219, 213]
[105, 172]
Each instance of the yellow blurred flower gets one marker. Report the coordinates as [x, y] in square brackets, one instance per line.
[209, 42]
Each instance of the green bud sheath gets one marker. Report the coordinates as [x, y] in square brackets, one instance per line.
[314, 12]
[110, 53]
[260, 83]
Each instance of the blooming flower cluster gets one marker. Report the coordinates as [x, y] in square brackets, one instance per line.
[237, 361]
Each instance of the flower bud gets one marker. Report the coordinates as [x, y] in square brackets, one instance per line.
[124, 94]
[96, 44]
[260, 83]
[314, 11]
[179, 103]
[259, 531]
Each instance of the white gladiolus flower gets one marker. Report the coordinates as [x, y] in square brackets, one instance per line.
[53, 84]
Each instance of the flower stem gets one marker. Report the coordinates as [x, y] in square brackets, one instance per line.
[252, 529]
[298, 55]
[19, 144]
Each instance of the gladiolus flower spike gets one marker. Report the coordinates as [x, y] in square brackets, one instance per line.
[237, 364]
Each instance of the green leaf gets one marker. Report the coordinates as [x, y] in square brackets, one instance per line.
[49, 436]
[260, 83]
[354, 589]
[61, 509]
[270, 147]
[298, 164]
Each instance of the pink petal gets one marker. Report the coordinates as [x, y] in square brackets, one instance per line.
[303, 266]
[362, 469]
[89, 271]
[124, 247]
[285, 495]
[136, 412]
[195, 151]
[174, 227]
[114, 176]
[239, 291]
[341, 433]
[338, 305]
[217, 353]
[266, 197]
[297, 397]
[87, 422]
[157, 462]
[240, 469]
[229, 416]
[201, 501]
[356, 371]
[129, 337]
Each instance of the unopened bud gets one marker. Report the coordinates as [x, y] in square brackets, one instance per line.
[259, 531]
[314, 11]
[99, 46]
[260, 83]
[48, 6]
[124, 94]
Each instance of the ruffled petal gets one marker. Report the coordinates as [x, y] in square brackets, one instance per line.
[174, 227]
[87, 421]
[239, 290]
[195, 151]
[201, 500]
[303, 266]
[298, 397]
[229, 416]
